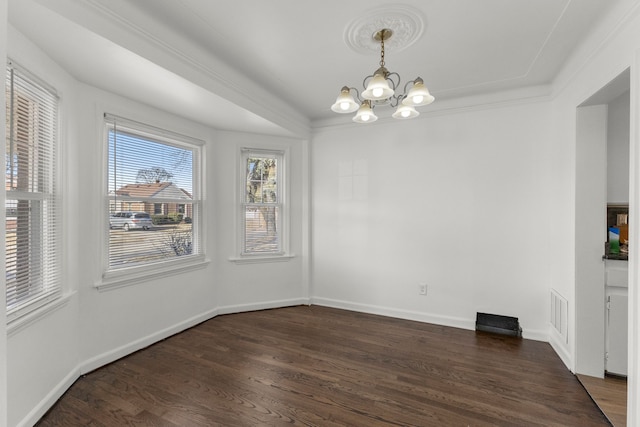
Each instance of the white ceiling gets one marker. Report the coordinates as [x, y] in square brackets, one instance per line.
[276, 66]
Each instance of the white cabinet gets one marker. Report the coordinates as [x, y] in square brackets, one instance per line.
[616, 295]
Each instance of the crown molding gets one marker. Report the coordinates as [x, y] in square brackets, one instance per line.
[175, 54]
[447, 106]
[614, 23]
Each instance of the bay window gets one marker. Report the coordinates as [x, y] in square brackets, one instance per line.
[262, 208]
[32, 203]
[152, 196]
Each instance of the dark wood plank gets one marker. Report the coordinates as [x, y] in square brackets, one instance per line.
[610, 394]
[326, 367]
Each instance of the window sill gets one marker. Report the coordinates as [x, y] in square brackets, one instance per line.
[256, 259]
[19, 323]
[127, 277]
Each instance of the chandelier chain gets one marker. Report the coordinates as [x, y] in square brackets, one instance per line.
[382, 51]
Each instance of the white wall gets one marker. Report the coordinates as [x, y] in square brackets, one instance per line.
[458, 201]
[42, 351]
[248, 283]
[584, 76]
[618, 150]
[591, 197]
[391, 241]
[92, 327]
[633, 382]
[479, 204]
[116, 318]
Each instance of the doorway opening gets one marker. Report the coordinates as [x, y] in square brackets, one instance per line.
[601, 276]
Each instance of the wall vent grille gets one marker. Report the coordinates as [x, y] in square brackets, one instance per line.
[559, 315]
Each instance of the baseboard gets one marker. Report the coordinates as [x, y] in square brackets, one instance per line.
[455, 322]
[105, 358]
[535, 334]
[555, 340]
[240, 308]
[122, 351]
[50, 399]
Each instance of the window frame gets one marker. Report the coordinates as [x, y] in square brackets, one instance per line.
[126, 276]
[50, 290]
[282, 179]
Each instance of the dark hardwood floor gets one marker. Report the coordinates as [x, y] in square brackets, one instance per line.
[610, 394]
[318, 366]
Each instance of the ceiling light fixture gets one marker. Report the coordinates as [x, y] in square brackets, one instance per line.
[380, 90]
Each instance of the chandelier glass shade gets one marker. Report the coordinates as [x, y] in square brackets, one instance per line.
[405, 112]
[378, 88]
[381, 89]
[365, 113]
[345, 102]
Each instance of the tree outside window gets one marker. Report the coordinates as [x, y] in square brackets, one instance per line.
[151, 173]
[262, 202]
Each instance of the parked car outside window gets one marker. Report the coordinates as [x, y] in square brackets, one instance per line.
[131, 221]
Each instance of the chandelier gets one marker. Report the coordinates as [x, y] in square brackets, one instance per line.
[380, 90]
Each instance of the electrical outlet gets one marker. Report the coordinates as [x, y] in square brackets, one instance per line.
[422, 289]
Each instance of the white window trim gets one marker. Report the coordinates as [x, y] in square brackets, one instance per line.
[284, 255]
[19, 323]
[113, 279]
[37, 308]
[132, 276]
[257, 259]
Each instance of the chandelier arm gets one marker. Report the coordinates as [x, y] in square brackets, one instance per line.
[389, 78]
[358, 96]
[396, 100]
[404, 92]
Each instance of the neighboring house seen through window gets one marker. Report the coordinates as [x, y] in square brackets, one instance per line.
[153, 195]
[32, 238]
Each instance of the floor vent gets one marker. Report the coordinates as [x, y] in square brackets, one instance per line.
[504, 325]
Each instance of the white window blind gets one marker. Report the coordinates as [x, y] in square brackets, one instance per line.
[262, 202]
[32, 203]
[153, 195]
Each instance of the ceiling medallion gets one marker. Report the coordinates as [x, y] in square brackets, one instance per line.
[406, 23]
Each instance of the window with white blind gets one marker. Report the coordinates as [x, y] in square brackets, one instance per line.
[32, 203]
[262, 208]
[152, 196]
